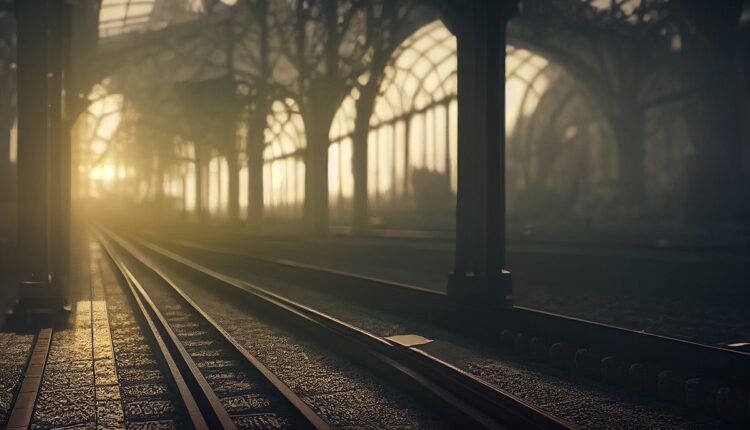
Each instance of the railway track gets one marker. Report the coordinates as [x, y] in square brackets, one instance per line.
[462, 398]
[713, 379]
[219, 383]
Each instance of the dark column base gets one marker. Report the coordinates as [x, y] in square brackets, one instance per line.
[494, 291]
[39, 302]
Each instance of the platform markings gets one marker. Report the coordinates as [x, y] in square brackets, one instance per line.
[20, 416]
[109, 410]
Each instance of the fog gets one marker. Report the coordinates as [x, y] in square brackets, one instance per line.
[627, 137]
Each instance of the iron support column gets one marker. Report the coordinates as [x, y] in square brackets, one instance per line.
[55, 136]
[38, 141]
[33, 146]
[69, 99]
[479, 274]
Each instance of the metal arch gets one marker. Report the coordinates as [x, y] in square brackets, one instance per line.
[291, 109]
[574, 71]
[407, 106]
[142, 19]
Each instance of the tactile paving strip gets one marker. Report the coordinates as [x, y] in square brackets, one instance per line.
[20, 417]
[109, 410]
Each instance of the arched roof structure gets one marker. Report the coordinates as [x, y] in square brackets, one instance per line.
[552, 54]
[122, 16]
[422, 72]
[118, 17]
[285, 130]
[284, 167]
[343, 122]
[527, 77]
[102, 118]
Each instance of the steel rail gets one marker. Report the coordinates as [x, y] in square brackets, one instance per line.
[303, 411]
[203, 406]
[464, 398]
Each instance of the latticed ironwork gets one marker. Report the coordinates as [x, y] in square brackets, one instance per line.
[602, 111]
[284, 167]
[120, 16]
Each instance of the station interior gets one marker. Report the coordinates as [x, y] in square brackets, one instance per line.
[539, 209]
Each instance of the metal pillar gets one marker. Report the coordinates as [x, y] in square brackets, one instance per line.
[37, 144]
[717, 193]
[33, 151]
[54, 102]
[69, 114]
[479, 274]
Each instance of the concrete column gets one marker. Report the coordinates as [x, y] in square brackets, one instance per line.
[479, 274]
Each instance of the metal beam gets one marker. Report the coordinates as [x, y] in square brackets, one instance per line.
[40, 238]
[33, 145]
[479, 273]
[55, 132]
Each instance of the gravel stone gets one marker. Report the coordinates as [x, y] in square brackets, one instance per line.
[261, 421]
[245, 403]
[64, 379]
[56, 408]
[131, 344]
[313, 373]
[557, 391]
[216, 364]
[203, 343]
[135, 360]
[233, 386]
[105, 374]
[109, 413]
[154, 425]
[16, 349]
[143, 391]
[142, 410]
[140, 374]
[208, 353]
[70, 366]
[145, 399]
[107, 392]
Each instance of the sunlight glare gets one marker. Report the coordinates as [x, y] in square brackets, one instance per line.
[103, 173]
